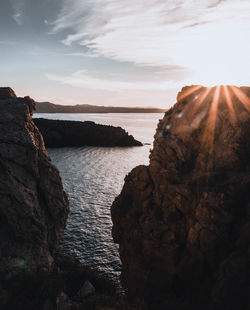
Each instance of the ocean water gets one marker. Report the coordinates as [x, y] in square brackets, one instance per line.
[92, 178]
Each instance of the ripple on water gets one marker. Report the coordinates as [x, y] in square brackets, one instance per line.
[92, 178]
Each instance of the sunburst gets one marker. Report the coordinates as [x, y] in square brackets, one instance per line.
[243, 98]
[219, 95]
[189, 91]
[229, 103]
[200, 100]
[208, 135]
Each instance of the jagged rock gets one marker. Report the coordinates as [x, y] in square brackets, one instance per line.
[183, 222]
[7, 93]
[60, 133]
[33, 207]
[86, 290]
[33, 211]
[63, 302]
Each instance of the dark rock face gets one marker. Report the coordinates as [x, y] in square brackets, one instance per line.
[33, 211]
[183, 222]
[7, 93]
[34, 207]
[59, 133]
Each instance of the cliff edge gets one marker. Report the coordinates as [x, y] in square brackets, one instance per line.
[34, 207]
[34, 274]
[183, 222]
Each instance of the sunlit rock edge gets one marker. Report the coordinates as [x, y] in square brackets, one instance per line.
[182, 223]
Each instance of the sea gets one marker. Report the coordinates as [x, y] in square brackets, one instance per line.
[92, 178]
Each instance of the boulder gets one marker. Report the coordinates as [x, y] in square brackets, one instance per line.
[86, 290]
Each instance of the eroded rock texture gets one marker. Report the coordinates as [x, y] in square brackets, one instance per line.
[34, 275]
[33, 205]
[183, 222]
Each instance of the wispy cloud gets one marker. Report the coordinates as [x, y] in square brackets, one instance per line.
[157, 32]
[18, 18]
[215, 3]
[18, 6]
[83, 54]
[83, 79]
[7, 43]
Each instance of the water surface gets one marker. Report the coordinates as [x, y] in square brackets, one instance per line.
[92, 178]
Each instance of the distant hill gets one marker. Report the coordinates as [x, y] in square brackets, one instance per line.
[48, 107]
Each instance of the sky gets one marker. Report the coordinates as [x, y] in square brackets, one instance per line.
[122, 52]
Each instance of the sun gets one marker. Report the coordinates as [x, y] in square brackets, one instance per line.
[233, 98]
[219, 94]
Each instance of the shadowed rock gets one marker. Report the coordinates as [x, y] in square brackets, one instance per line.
[60, 133]
[183, 222]
[33, 211]
[34, 207]
[7, 93]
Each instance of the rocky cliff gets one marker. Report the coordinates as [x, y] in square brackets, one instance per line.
[34, 207]
[60, 133]
[183, 222]
[33, 212]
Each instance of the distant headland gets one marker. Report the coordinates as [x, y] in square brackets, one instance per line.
[59, 133]
[48, 107]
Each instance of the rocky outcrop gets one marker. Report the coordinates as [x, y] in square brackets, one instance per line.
[34, 207]
[33, 212]
[183, 222]
[60, 133]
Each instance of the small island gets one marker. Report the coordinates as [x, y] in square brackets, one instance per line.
[60, 133]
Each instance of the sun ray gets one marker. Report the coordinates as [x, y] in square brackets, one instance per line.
[244, 99]
[208, 136]
[187, 109]
[201, 99]
[188, 92]
[190, 110]
[229, 103]
[204, 161]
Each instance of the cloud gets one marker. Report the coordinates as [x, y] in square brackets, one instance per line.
[83, 54]
[18, 18]
[82, 79]
[18, 6]
[215, 3]
[156, 32]
[7, 43]
[73, 38]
